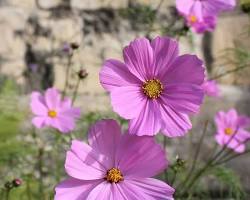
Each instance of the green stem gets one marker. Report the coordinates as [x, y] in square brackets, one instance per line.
[196, 155]
[232, 157]
[28, 189]
[209, 164]
[57, 144]
[76, 91]
[164, 146]
[7, 194]
[151, 24]
[229, 72]
[40, 165]
[67, 76]
[2, 193]
[196, 177]
[174, 178]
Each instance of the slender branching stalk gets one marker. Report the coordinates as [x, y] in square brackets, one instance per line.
[208, 165]
[66, 84]
[76, 90]
[195, 156]
[230, 72]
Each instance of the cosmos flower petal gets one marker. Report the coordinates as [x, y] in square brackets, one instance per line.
[103, 191]
[82, 162]
[230, 130]
[104, 137]
[38, 105]
[205, 12]
[232, 118]
[63, 114]
[233, 144]
[66, 103]
[154, 188]
[185, 98]
[196, 10]
[72, 113]
[184, 6]
[85, 165]
[128, 101]
[74, 189]
[240, 148]
[116, 74]
[242, 135]
[216, 6]
[52, 98]
[211, 88]
[208, 24]
[183, 65]
[147, 123]
[244, 121]
[158, 67]
[161, 45]
[220, 120]
[139, 58]
[39, 122]
[63, 123]
[236, 146]
[132, 161]
[132, 192]
[175, 124]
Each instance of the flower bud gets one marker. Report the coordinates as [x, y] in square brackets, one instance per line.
[17, 182]
[74, 45]
[82, 74]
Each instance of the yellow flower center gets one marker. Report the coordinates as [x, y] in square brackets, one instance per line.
[114, 175]
[152, 88]
[228, 131]
[193, 19]
[52, 113]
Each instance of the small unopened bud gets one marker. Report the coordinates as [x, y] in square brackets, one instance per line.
[245, 7]
[186, 28]
[74, 45]
[82, 74]
[17, 182]
[179, 164]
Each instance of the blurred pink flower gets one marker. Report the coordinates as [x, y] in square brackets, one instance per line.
[114, 166]
[50, 110]
[201, 15]
[231, 130]
[211, 88]
[156, 89]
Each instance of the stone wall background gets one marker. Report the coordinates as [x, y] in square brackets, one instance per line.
[34, 31]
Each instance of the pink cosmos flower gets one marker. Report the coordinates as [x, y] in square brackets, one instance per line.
[231, 130]
[201, 15]
[211, 88]
[50, 110]
[155, 88]
[114, 166]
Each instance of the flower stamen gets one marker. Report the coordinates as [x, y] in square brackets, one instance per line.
[114, 175]
[152, 88]
[193, 19]
[229, 131]
[52, 113]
